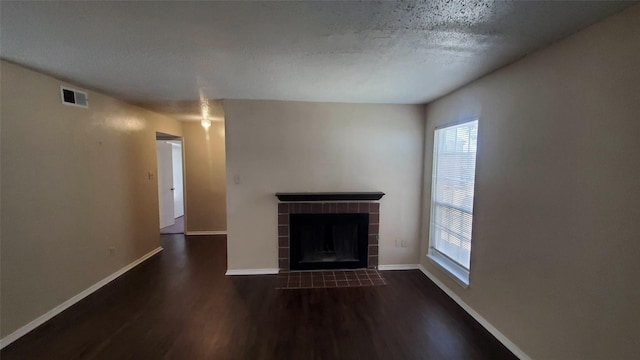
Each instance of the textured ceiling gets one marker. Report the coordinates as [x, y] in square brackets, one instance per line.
[378, 52]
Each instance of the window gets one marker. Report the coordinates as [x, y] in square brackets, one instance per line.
[454, 165]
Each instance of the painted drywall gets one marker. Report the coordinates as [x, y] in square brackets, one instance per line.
[278, 146]
[75, 183]
[554, 261]
[178, 186]
[205, 176]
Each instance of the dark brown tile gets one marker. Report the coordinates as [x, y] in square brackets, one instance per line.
[283, 252]
[294, 208]
[373, 239]
[341, 208]
[283, 219]
[284, 230]
[373, 250]
[374, 207]
[316, 208]
[363, 207]
[283, 208]
[283, 263]
[305, 208]
[352, 208]
[373, 261]
[374, 218]
[283, 241]
[373, 229]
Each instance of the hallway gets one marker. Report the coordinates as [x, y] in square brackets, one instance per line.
[177, 228]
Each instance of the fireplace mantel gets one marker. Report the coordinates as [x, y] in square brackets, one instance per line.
[330, 196]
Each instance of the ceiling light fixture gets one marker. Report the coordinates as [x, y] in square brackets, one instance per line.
[206, 123]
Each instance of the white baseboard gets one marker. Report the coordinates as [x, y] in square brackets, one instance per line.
[60, 308]
[206, 233]
[252, 271]
[487, 325]
[398, 267]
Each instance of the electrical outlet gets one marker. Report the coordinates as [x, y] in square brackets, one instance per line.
[236, 179]
[404, 243]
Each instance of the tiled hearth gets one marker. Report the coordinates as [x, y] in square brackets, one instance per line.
[286, 208]
[329, 279]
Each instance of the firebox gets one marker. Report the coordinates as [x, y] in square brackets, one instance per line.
[328, 241]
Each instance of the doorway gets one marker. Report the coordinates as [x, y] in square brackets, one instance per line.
[170, 184]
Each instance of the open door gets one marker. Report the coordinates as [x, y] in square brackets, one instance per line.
[165, 183]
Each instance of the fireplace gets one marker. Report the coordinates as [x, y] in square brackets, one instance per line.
[328, 241]
[328, 230]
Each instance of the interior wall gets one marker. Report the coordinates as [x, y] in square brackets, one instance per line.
[205, 176]
[554, 260]
[279, 146]
[75, 183]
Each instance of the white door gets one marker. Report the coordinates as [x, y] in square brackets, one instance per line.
[178, 196]
[165, 183]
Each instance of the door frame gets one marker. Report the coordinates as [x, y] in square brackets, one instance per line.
[170, 137]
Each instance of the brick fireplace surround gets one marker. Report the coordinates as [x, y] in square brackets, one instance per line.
[333, 207]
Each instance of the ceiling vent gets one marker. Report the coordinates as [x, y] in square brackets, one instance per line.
[74, 97]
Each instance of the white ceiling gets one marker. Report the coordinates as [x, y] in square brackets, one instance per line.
[377, 52]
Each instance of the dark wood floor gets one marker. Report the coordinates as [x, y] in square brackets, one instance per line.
[180, 305]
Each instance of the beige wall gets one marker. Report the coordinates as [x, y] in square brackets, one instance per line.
[74, 184]
[277, 146]
[205, 176]
[554, 262]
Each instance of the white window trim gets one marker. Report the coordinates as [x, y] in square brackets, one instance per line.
[451, 268]
[454, 270]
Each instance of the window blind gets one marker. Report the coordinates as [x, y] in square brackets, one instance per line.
[452, 191]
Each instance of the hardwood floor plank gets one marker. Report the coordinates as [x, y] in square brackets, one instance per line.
[180, 305]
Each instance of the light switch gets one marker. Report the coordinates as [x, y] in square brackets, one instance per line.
[236, 179]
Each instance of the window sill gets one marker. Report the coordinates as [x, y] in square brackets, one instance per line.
[461, 276]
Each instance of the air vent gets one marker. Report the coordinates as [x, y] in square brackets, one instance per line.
[74, 97]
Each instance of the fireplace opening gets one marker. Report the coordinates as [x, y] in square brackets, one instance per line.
[328, 241]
